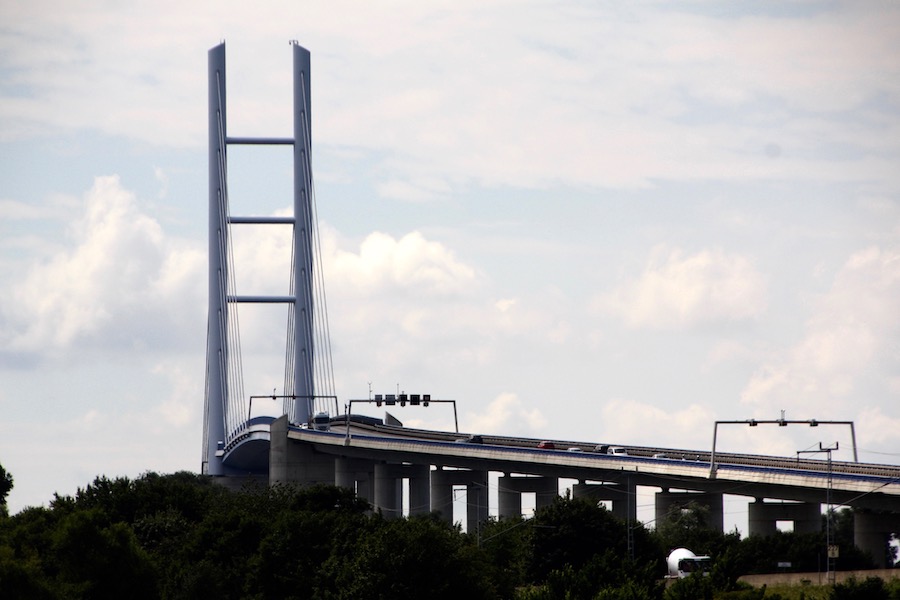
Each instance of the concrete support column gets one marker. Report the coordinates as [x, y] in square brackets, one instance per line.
[509, 500]
[763, 516]
[546, 492]
[295, 462]
[344, 476]
[365, 486]
[759, 520]
[668, 503]
[442, 494]
[442, 482]
[419, 489]
[356, 474]
[616, 494]
[388, 491]
[476, 500]
[808, 519]
[870, 534]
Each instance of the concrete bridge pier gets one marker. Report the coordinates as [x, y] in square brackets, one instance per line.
[616, 494]
[545, 489]
[419, 489]
[349, 471]
[763, 516]
[356, 474]
[871, 532]
[389, 490]
[442, 494]
[295, 463]
[476, 482]
[509, 500]
[476, 500]
[669, 503]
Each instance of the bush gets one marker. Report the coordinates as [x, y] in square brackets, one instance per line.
[871, 588]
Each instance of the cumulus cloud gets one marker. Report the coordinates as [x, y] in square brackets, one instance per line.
[117, 280]
[385, 263]
[678, 291]
[851, 330]
[673, 117]
[508, 415]
[675, 426]
[181, 407]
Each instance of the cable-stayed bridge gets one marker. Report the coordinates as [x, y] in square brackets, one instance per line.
[393, 466]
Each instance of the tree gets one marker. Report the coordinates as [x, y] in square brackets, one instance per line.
[6, 486]
[688, 528]
[419, 557]
[573, 530]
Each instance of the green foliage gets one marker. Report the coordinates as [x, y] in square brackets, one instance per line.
[694, 587]
[606, 576]
[506, 545]
[6, 486]
[572, 531]
[21, 578]
[420, 557]
[181, 536]
[689, 528]
[805, 552]
[98, 559]
[870, 588]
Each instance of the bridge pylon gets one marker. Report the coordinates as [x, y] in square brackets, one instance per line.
[227, 422]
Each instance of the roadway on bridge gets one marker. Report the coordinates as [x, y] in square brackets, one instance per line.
[863, 485]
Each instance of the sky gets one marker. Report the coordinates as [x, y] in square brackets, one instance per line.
[584, 221]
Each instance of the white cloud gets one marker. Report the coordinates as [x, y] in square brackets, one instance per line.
[385, 265]
[665, 425]
[699, 96]
[181, 407]
[506, 415]
[117, 280]
[851, 331]
[677, 291]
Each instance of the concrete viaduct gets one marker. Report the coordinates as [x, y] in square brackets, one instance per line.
[392, 467]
